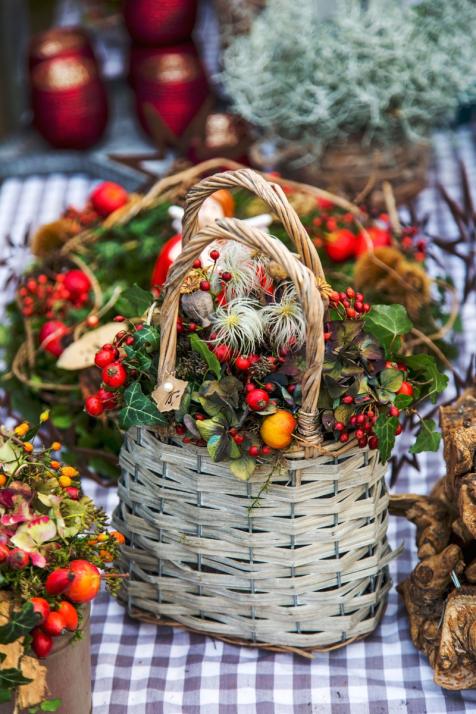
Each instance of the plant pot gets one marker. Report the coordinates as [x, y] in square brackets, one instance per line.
[351, 169]
[68, 673]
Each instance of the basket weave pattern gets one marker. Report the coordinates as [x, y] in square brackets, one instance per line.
[303, 569]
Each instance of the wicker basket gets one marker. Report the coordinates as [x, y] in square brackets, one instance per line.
[353, 170]
[306, 568]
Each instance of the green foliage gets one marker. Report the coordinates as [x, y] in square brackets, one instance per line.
[20, 623]
[428, 439]
[388, 323]
[383, 71]
[385, 431]
[203, 350]
[139, 409]
[426, 369]
[133, 302]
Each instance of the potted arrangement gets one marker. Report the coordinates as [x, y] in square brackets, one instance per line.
[261, 407]
[350, 100]
[54, 552]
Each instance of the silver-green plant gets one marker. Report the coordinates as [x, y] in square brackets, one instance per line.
[386, 73]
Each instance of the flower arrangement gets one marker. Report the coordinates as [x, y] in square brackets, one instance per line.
[241, 332]
[54, 551]
[382, 71]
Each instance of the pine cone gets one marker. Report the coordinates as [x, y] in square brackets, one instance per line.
[190, 363]
[260, 369]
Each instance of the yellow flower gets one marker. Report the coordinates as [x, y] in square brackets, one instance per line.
[55, 446]
[28, 447]
[22, 429]
[69, 471]
[65, 481]
[44, 416]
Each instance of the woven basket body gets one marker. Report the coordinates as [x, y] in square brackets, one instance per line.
[304, 566]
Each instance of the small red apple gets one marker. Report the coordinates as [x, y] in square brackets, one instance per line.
[168, 254]
[340, 245]
[51, 335]
[108, 197]
[379, 237]
[86, 581]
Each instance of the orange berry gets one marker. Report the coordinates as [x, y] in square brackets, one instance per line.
[118, 536]
[3, 480]
[92, 541]
[102, 537]
[106, 556]
[55, 446]
[69, 471]
[65, 481]
[28, 447]
[277, 429]
[55, 464]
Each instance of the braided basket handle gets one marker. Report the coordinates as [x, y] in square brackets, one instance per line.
[307, 291]
[271, 193]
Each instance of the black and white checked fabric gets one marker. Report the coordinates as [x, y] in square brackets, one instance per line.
[139, 669]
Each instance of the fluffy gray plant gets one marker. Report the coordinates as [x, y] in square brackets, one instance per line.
[384, 73]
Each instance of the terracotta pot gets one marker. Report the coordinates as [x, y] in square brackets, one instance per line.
[154, 23]
[353, 170]
[68, 673]
[69, 102]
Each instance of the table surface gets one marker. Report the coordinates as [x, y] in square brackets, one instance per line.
[140, 669]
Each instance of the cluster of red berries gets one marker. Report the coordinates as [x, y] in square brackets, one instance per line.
[417, 248]
[114, 374]
[352, 302]
[45, 297]
[85, 217]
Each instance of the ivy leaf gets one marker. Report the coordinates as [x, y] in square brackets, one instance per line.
[148, 339]
[21, 623]
[385, 431]
[139, 409]
[388, 323]
[402, 401]
[12, 678]
[134, 302]
[243, 467]
[205, 352]
[427, 367]
[428, 439]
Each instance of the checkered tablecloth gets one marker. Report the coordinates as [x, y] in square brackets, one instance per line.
[139, 669]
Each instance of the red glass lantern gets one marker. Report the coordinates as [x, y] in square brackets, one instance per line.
[173, 95]
[69, 102]
[160, 22]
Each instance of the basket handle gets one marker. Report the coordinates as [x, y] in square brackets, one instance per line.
[271, 193]
[307, 290]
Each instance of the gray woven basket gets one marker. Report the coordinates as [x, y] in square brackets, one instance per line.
[306, 567]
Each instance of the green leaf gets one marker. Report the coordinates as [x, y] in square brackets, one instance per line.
[387, 323]
[210, 427]
[428, 439]
[343, 412]
[148, 339]
[5, 695]
[243, 467]
[385, 431]
[134, 302]
[139, 409]
[426, 367]
[203, 350]
[50, 705]
[218, 446]
[402, 401]
[62, 417]
[391, 379]
[12, 678]
[21, 622]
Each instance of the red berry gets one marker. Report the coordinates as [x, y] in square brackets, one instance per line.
[92, 321]
[344, 437]
[353, 420]
[242, 363]
[406, 389]
[257, 399]
[199, 417]
[226, 276]
[351, 313]
[350, 292]
[366, 307]
[359, 297]
[204, 285]
[186, 439]
[214, 255]
[40, 606]
[180, 429]
[108, 197]
[18, 559]
[265, 450]
[398, 429]
[77, 284]
[54, 624]
[373, 442]
[347, 399]
[334, 296]
[340, 245]
[254, 451]
[94, 406]
[31, 285]
[109, 399]
[223, 353]
[197, 263]
[104, 357]
[238, 438]
[359, 306]
[41, 643]
[233, 431]
[339, 426]
[362, 442]
[254, 358]
[119, 318]
[114, 375]
[360, 419]
[69, 614]
[327, 336]
[4, 552]
[359, 433]
[394, 412]
[192, 326]
[51, 335]
[269, 386]
[250, 387]
[58, 581]
[73, 493]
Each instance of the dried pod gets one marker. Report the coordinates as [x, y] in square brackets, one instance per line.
[198, 306]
